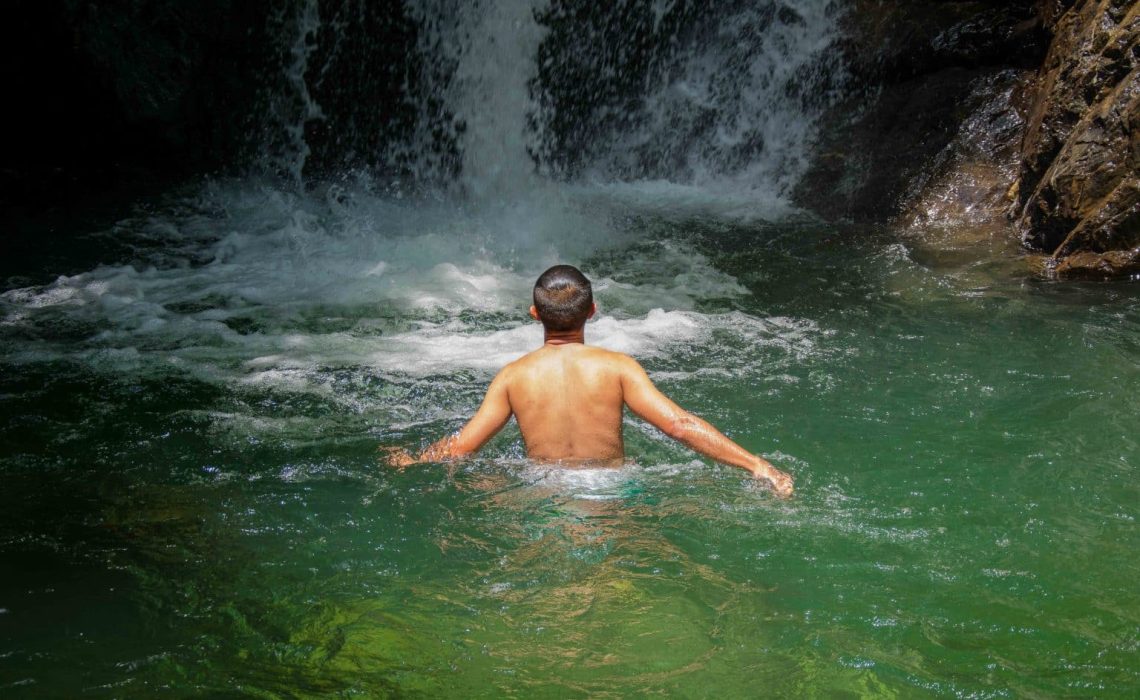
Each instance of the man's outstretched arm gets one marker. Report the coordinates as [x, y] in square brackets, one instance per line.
[644, 399]
[492, 415]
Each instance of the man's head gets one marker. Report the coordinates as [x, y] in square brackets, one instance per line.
[563, 299]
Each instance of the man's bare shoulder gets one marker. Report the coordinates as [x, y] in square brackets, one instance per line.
[619, 360]
[585, 353]
[592, 356]
[522, 365]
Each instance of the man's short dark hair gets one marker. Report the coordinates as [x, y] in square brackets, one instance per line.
[563, 297]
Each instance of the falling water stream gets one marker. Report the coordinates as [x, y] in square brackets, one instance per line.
[194, 505]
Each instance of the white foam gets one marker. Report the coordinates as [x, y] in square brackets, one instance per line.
[274, 255]
[445, 348]
[259, 289]
[588, 483]
[654, 334]
[442, 348]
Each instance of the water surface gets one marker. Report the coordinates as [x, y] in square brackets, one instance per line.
[193, 503]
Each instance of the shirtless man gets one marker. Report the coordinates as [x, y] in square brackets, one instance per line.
[568, 397]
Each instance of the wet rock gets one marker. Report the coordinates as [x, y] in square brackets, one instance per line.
[971, 121]
[176, 75]
[927, 70]
[1086, 265]
[870, 151]
[969, 181]
[1079, 188]
[895, 41]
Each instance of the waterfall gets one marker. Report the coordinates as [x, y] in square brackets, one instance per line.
[489, 48]
[292, 106]
[739, 105]
[714, 96]
[723, 97]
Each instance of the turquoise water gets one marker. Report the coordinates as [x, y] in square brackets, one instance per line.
[193, 503]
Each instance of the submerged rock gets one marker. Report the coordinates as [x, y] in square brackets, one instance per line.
[1085, 264]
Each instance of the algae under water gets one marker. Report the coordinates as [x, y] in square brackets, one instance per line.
[193, 503]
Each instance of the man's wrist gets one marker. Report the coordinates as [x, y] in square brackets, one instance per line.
[762, 467]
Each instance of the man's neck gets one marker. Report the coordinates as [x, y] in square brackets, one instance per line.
[564, 337]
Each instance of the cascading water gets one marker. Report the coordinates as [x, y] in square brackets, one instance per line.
[284, 149]
[253, 262]
[494, 46]
[717, 98]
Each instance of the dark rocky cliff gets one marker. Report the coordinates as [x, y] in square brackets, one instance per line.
[1078, 188]
[922, 70]
[1021, 116]
[136, 89]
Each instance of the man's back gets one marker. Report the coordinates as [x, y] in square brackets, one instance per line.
[568, 402]
[568, 397]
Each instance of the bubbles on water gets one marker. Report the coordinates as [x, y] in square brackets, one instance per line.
[595, 484]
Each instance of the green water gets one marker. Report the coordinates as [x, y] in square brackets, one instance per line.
[963, 438]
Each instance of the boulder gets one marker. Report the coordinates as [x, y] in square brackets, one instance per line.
[893, 41]
[969, 181]
[979, 113]
[874, 153]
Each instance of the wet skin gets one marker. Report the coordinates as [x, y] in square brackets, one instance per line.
[568, 399]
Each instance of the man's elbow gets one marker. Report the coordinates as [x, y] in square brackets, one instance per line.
[681, 427]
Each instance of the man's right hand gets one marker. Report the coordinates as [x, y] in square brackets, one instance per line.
[780, 482]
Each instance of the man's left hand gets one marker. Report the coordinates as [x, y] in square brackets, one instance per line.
[398, 457]
[781, 482]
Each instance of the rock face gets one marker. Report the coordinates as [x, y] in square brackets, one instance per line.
[179, 87]
[975, 123]
[930, 71]
[968, 181]
[1079, 186]
[133, 91]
